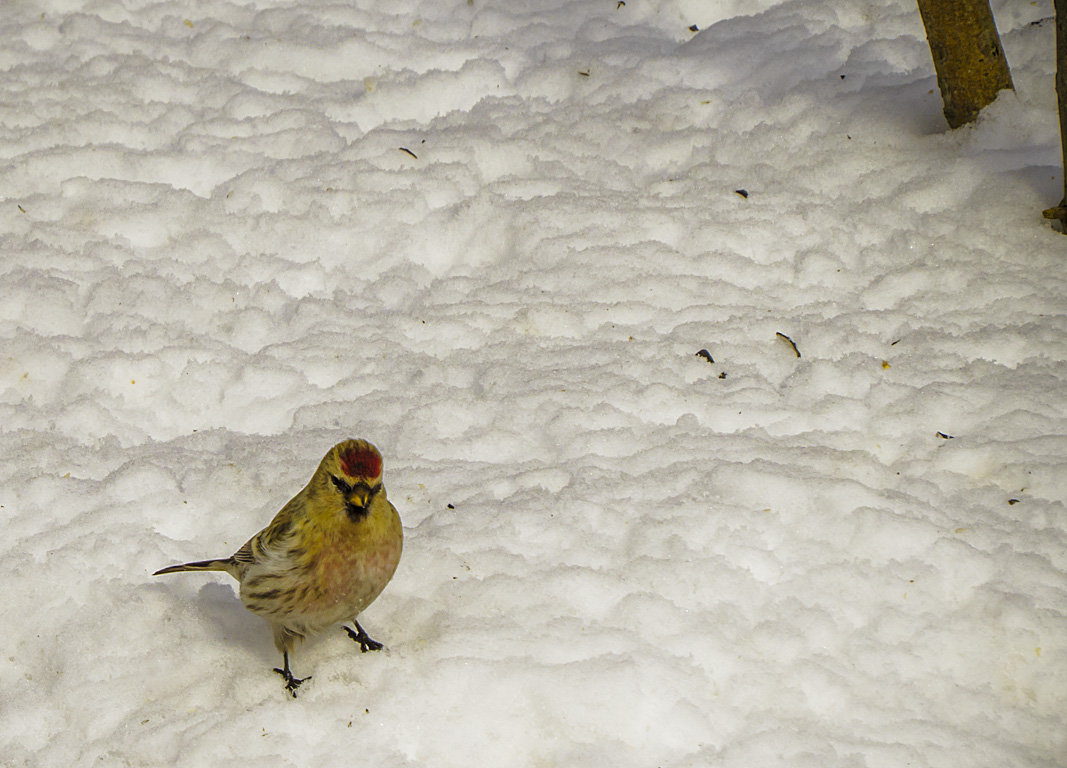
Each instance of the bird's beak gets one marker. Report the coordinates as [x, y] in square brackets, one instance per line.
[355, 512]
[357, 503]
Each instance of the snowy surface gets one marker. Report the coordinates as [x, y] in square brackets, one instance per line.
[217, 261]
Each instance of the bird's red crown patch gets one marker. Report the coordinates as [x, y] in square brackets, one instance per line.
[361, 461]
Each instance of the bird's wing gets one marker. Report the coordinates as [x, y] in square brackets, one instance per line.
[272, 537]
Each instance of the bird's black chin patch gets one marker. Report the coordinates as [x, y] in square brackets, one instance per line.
[355, 514]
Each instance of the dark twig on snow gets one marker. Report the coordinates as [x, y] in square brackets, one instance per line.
[788, 340]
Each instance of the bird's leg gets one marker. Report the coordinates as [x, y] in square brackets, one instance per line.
[291, 683]
[360, 636]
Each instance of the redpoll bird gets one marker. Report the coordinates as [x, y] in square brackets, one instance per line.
[324, 558]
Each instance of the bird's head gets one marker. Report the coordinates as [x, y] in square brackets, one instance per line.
[353, 470]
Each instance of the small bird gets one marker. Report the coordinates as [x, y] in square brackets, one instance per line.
[324, 557]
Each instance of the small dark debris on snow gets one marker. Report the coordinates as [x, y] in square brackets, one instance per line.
[742, 192]
[789, 341]
[620, 4]
[583, 74]
[706, 355]
[1013, 501]
[694, 28]
[451, 506]
[722, 375]
[405, 149]
[943, 436]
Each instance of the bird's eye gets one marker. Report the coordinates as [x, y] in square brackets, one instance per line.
[342, 486]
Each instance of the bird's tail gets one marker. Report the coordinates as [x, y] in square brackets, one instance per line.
[227, 564]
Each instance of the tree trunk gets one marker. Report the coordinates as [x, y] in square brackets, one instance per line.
[970, 64]
[1059, 213]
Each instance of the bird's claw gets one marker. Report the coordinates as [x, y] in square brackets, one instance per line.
[291, 683]
[366, 643]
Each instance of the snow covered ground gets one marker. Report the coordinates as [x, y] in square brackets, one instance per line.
[491, 236]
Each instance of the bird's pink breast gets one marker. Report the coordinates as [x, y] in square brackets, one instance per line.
[352, 578]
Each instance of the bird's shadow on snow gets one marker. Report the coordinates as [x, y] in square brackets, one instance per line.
[230, 622]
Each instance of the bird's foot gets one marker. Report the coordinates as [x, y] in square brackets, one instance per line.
[291, 682]
[366, 643]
